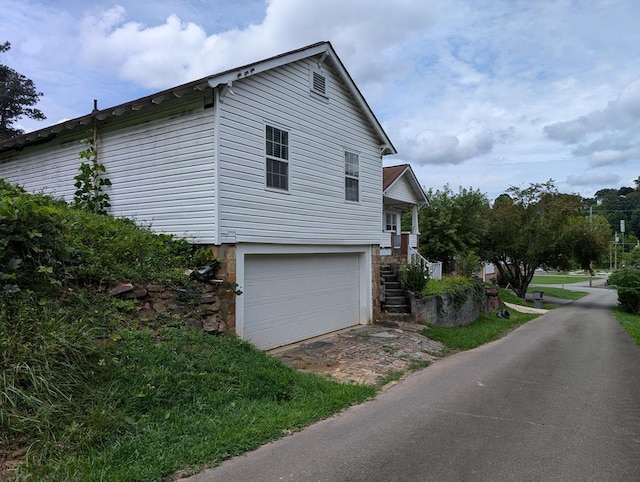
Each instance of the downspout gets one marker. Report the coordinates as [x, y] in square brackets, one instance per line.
[216, 164]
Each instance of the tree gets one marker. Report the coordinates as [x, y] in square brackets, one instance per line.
[17, 95]
[452, 224]
[528, 229]
[588, 239]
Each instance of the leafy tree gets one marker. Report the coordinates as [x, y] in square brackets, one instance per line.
[588, 239]
[528, 229]
[452, 224]
[17, 95]
[620, 204]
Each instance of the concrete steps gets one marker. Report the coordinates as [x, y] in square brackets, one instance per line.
[395, 301]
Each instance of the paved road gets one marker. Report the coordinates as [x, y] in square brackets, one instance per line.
[557, 399]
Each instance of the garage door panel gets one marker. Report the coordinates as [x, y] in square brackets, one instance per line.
[288, 298]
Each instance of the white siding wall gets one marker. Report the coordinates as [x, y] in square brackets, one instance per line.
[46, 168]
[314, 211]
[161, 168]
[163, 174]
[402, 191]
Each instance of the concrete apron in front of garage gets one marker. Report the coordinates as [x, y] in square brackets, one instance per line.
[362, 354]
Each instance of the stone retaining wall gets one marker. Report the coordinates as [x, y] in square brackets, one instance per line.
[198, 304]
[440, 310]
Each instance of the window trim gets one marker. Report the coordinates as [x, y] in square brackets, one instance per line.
[275, 158]
[394, 223]
[349, 175]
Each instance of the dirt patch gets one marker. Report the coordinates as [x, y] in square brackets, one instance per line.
[12, 454]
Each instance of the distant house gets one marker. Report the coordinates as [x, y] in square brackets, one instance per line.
[277, 165]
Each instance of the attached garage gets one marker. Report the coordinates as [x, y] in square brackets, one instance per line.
[292, 297]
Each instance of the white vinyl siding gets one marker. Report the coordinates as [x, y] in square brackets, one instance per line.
[314, 211]
[45, 169]
[161, 167]
[401, 190]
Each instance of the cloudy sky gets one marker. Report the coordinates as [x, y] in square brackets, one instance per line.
[474, 93]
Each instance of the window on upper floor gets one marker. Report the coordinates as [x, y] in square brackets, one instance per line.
[391, 222]
[351, 176]
[277, 158]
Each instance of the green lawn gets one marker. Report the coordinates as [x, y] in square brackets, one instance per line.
[179, 399]
[550, 279]
[630, 322]
[558, 292]
[487, 328]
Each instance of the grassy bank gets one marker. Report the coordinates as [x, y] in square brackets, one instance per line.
[92, 390]
[630, 322]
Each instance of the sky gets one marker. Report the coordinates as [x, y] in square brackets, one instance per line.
[480, 94]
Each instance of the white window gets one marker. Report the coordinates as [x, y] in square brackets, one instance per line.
[277, 150]
[391, 222]
[317, 82]
[351, 176]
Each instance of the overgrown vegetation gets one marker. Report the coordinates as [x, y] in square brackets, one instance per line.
[414, 277]
[458, 287]
[627, 283]
[91, 181]
[97, 392]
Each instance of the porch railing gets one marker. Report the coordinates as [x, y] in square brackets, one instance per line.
[434, 269]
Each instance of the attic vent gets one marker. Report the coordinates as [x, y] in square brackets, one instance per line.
[319, 83]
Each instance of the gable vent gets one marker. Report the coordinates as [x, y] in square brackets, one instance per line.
[319, 83]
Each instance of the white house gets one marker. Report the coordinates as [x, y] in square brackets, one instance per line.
[276, 165]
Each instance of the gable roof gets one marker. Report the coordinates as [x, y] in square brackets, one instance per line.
[392, 174]
[322, 50]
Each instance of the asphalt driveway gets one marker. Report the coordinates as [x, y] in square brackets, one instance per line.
[556, 399]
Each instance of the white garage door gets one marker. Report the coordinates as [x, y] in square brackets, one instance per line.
[288, 298]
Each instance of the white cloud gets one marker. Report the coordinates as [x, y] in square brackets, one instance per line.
[463, 89]
[593, 179]
[427, 147]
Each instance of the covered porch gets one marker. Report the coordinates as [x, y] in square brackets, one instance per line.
[401, 193]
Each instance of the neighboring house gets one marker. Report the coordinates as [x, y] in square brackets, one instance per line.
[276, 165]
[401, 192]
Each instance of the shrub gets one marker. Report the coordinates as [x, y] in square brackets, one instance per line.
[415, 277]
[469, 264]
[627, 282]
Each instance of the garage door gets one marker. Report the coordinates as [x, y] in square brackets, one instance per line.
[288, 298]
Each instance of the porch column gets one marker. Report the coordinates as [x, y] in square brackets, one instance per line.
[414, 220]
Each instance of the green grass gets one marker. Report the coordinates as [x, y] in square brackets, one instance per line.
[487, 328]
[177, 399]
[630, 322]
[91, 390]
[438, 287]
[559, 293]
[549, 279]
[509, 296]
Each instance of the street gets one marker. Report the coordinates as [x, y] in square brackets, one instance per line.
[556, 399]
